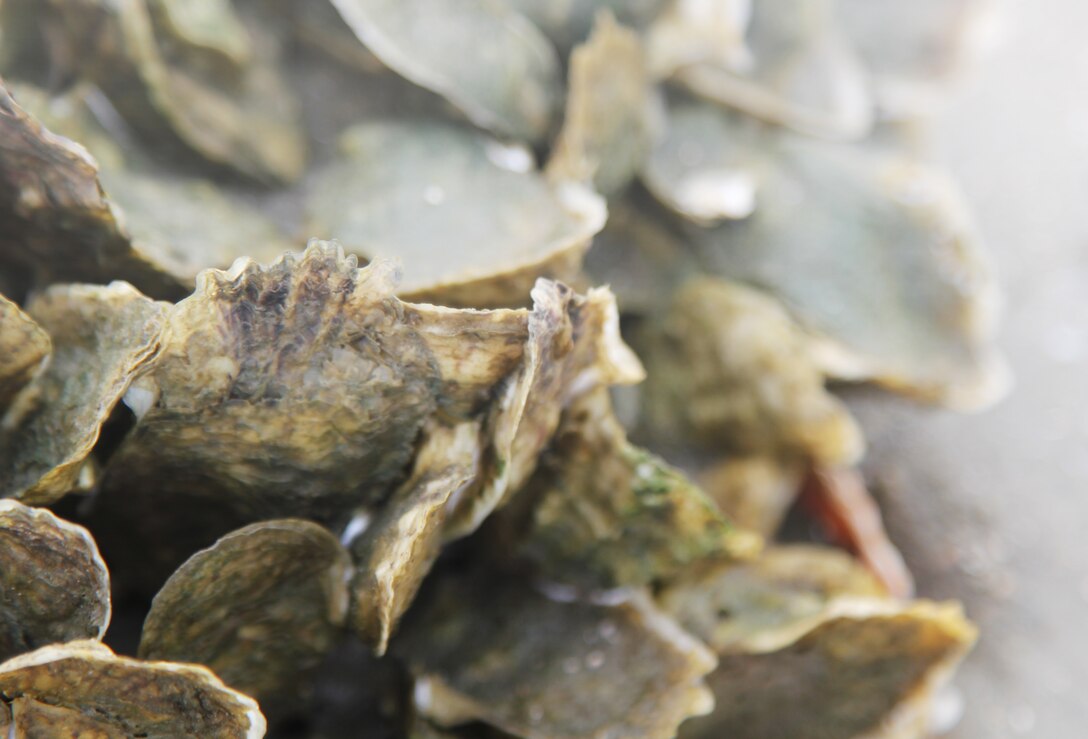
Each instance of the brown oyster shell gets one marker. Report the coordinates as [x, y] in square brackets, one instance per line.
[101, 337]
[158, 700]
[24, 346]
[491, 649]
[260, 608]
[54, 586]
[608, 514]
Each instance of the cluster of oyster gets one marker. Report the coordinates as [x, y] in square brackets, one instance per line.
[400, 499]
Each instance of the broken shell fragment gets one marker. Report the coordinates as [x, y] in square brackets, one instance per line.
[24, 346]
[903, 296]
[729, 369]
[83, 684]
[260, 608]
[865, 675]
[492, 649]
[101, 337]
[605, 132]
[54, 586]
[401, 188]
[485, 58]
[608, 514]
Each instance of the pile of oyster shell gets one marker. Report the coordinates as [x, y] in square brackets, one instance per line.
[384, 486]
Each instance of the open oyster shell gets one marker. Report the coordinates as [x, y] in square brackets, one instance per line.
[608, 514]
[605, 132]
[54, 586]
[402, 188]
[101, 336]
[492, 649]
[485, 58]
[260, 608]
[181, 90]
[24, 346]
[82, 685]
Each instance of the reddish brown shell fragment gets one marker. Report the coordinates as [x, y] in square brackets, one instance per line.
[259, 608]
[494, 650]
[157, 700]
[54, 586]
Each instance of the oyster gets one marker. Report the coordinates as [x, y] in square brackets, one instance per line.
[163, 227]
[802, 72]
[485, 58]
[707, 164]
[882, 265]
[865, 675]
[729, 369]
[101, 337]
[187, 92]
[489, 648]
[82, 685]
[54, 586]
[753, 491]
[260, 607]
[400, 188]
[605, 132]
[395, 552]
[608, 514]
[24, 346]
[570, 22]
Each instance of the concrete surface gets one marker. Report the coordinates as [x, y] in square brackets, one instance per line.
[993, 508]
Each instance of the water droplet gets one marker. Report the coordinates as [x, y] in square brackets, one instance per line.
[511, 157]
[595, 660]
[571, 666]
[608, 631]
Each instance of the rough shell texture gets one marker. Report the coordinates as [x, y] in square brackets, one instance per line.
[864, 676]
[493, 650]
[24, 345]
[101, 336]
[158, 700]
[260, 608]
[54, 586]
[609, 514]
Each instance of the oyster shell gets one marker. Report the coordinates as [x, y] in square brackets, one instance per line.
[54, 586]
[753, 491]
[101, 337]
[402, 188]
[396, 551]
[260, 608]
[729, 369]
[867, 675]
[171, 87]
[803, 72]
[85, 685]
[692, 32]
[491, 649]
[707, 163]
[605, 132]
[24, 346]
[570, 22]
[485, 58]
[609, 514]
[881, 263]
